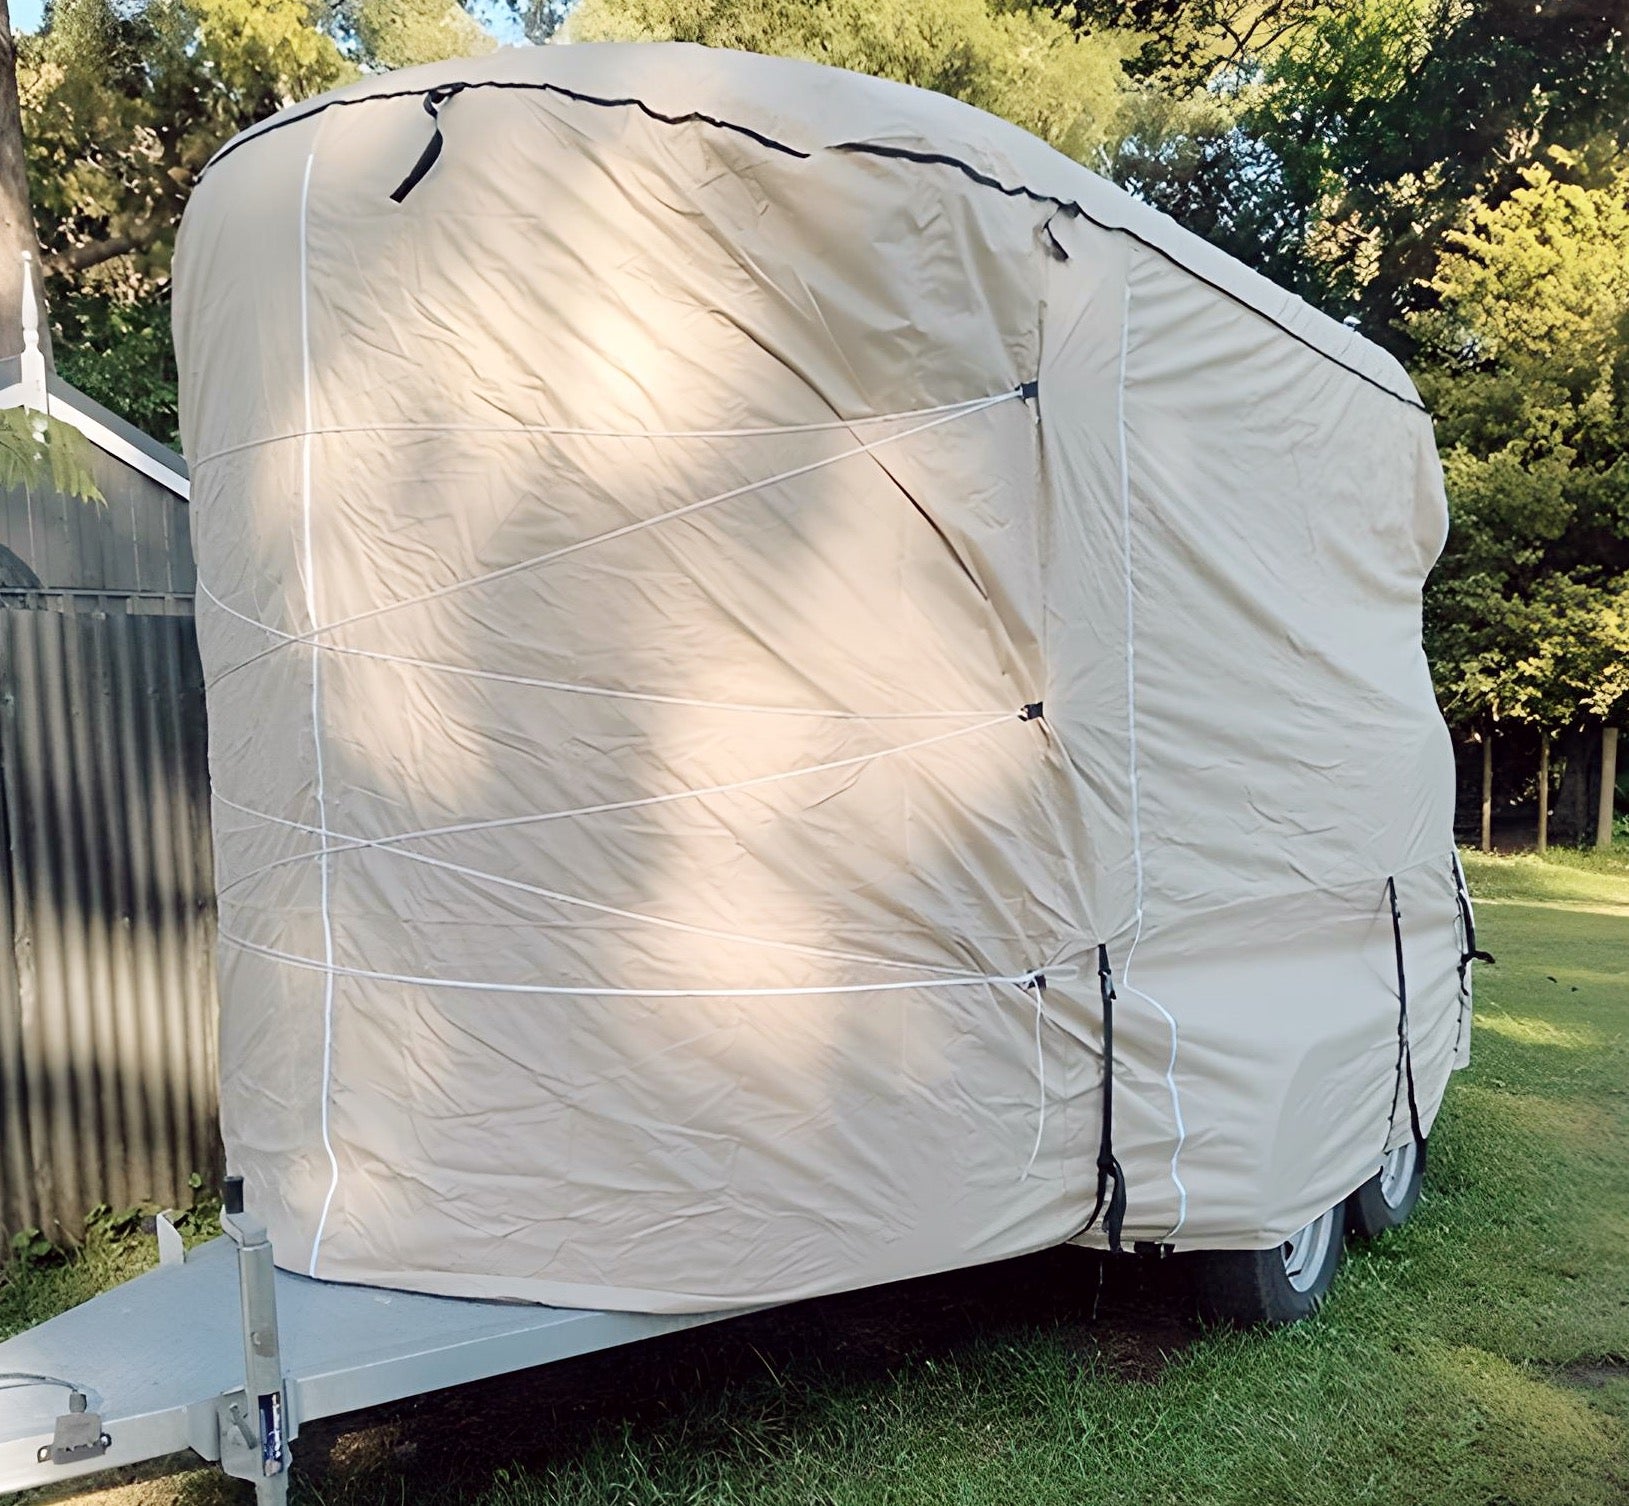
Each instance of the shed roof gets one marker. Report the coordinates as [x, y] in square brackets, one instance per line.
[101, 426]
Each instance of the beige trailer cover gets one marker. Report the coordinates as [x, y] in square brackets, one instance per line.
[707, 595]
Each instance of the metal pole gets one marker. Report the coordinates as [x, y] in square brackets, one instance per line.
[254, 1424]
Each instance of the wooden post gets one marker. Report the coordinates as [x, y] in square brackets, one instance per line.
[1544, 793]
[1487, 790]
[1609, 780]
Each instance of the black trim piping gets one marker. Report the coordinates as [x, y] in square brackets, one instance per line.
[1070, 207]
[459, 86]
[876, 149]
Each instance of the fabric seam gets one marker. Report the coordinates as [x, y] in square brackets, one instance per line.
[1133, 779]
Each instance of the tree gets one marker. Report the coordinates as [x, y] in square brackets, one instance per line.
[402, 33]
[1186, 44]
[1015, 61]
[122, 104]
[1525, 362]
[1336, 144]
[34, 449]
[17, 235]
[538, 19]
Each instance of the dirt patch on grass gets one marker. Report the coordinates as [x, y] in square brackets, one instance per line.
[1593, 1375]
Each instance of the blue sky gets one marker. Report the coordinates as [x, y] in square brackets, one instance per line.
[26, 14]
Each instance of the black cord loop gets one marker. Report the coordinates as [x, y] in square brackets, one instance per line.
[1405, 1050]
[1467, 920]
[433, 101]
[1110, 1205]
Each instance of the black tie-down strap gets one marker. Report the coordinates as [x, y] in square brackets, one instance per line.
[433, 101]
[1467, 920]
[1110, 1204]
[1405, 1051]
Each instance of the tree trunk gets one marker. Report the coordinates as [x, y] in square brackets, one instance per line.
[1572, 812]
[17, 233]
[1609, 779]
[1487, 791]
[1544, 794]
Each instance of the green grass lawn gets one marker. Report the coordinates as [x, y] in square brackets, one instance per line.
[1480, 1355]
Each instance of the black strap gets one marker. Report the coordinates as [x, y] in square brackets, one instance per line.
[1405, 1051]
[1110, 1205]
[433, 102]
[1468, 920]
[1053, 244]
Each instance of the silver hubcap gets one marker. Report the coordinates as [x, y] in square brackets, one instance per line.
[1306, 1250]
[1397, 1172]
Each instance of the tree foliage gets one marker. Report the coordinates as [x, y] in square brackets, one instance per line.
[1018, 62]
[40, 451]
[1448, 175]
[123, 104]
[1525, 361]
[124, 101]
[119, 120]
[1344, 140]
[1187, 44]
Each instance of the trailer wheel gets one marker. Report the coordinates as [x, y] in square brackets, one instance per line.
[1269, 1288]
[1389, 1196]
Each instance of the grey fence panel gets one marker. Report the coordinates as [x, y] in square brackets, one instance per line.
[134, 540]
[107, 989]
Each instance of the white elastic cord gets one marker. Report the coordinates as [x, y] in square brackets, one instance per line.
[710, 933]
[1040, 1078]
[557, 431]
[476, 985]
[576, 688]
[316, 719]
[538, 561]
[1134, 788]
[505, 822]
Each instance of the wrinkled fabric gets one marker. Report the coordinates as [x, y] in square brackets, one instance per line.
[632, 565]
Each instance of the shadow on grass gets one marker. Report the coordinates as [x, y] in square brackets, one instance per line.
[1122, 1318]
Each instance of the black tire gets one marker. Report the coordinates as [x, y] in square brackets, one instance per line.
[1255, 1288]
[1385, 1201]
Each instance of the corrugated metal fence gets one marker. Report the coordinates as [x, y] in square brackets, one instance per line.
[107, 1025]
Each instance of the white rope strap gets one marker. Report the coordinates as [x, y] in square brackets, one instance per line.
[571, 687]
[640, 917]
[595, 991]
[501, 823]
[1038, 983]
[559, 431]
[540, 561]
